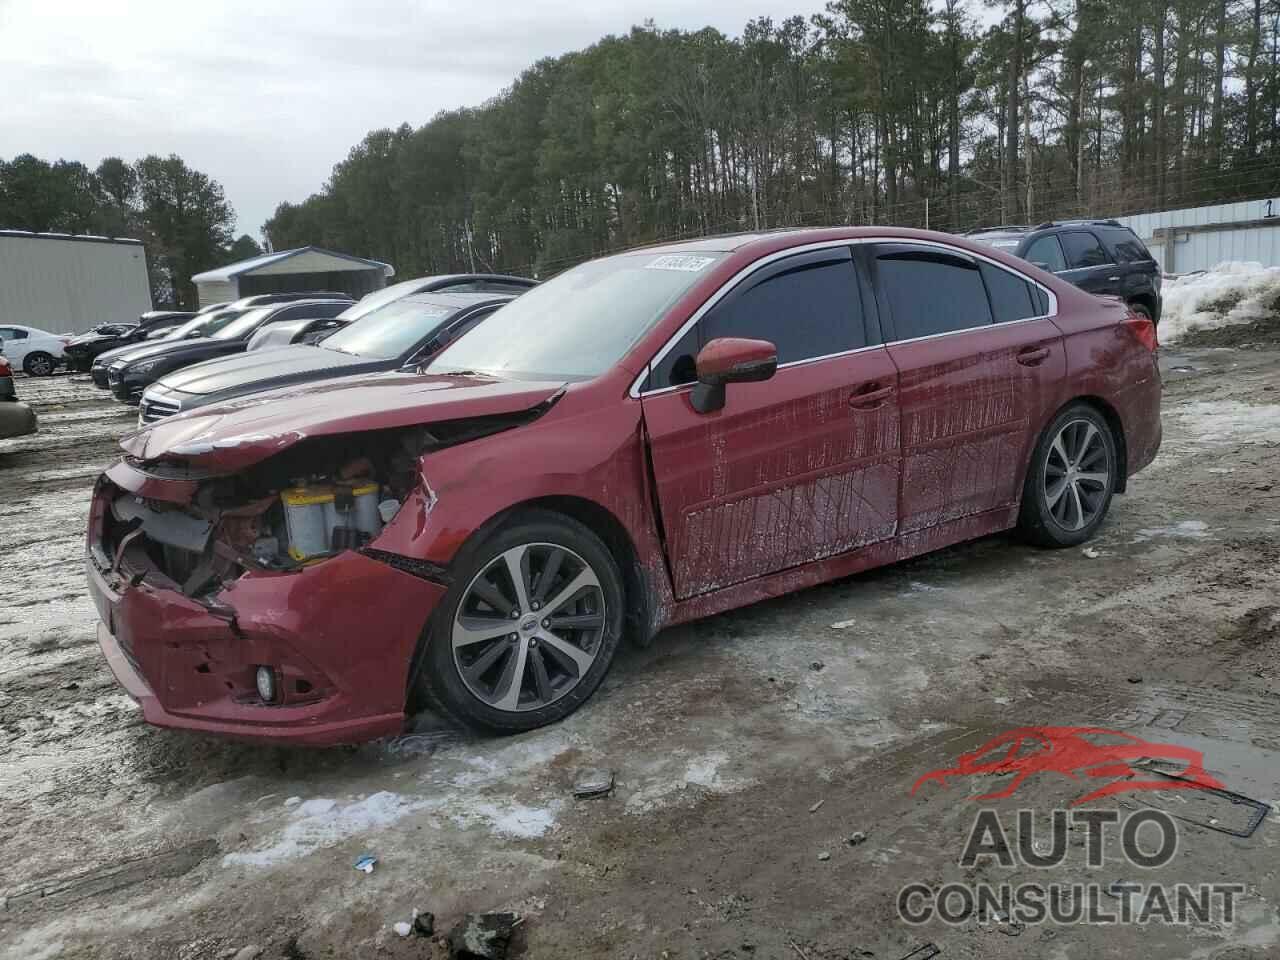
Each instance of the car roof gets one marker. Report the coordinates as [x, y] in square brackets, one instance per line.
[454, 301]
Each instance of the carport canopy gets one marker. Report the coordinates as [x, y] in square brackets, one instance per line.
[288, 271]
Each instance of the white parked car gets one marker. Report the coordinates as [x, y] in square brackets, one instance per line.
[38, 352]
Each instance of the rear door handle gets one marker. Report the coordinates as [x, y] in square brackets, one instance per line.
[870, 397]
[1033, 356]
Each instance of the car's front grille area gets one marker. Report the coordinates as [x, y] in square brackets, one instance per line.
[114, 376]
[152, 410]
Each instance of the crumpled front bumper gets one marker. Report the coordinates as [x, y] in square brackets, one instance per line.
[339, 636]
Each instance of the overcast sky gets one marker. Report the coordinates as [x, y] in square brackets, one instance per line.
[267, 96]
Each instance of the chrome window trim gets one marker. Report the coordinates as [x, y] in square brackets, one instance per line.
[728, 285]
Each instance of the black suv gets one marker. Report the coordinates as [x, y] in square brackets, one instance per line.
[1100, 256]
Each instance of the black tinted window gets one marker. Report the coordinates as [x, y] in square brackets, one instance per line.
[932, 293]
[807, 311]
[1041, 301]
[1083, 250]
[1010, 295]
[1128, 248]
[1046, 252]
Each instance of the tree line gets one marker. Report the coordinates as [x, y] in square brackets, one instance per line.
[180, 214]
[945, 113]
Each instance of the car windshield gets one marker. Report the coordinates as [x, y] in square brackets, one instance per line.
[581, 322]
[999, 242]
[390, 330]
[240, 325]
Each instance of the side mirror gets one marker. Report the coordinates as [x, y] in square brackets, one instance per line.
[728, 360]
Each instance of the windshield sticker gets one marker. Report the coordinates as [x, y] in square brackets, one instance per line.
[676, 261]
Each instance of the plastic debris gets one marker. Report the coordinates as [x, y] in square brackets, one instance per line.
[1091, 553]
[817, 806]
[816, 666]
[856, 838]
[365, 863]
[592, 783]
[824, 855]
[843, 624]
[482, 936]
[402, 928]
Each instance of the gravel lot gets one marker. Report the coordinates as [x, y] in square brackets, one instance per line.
[747, 747]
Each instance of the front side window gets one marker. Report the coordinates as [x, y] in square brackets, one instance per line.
[808, 310]
[1084, 250]
[581, 322]
[1046, 253]
[1012, 298]
[232, 328]
[931, 292]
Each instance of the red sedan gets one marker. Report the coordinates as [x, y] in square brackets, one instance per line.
[644, 439]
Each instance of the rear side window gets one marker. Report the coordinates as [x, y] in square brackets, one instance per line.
[807, 310]
[1011, 297]
[1046, 252]
[1128, 248]
[931, 292]
[1083, 250]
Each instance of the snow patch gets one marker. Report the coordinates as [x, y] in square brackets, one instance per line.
[1231, 293]
[700, 771]
[323, 822]
[1186, 530]
[1210, 422]
[511, 819]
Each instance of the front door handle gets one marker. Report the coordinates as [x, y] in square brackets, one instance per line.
[870, 397]
[1033, 356]
[1114, 279]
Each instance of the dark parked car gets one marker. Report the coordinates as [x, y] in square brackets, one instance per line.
[642, 440]
[281, 335]
[202, 324]
[1100, 256]
[402, 333]
[82, 350]
[16, 418]
[131, 374]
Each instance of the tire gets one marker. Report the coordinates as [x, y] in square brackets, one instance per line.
[1077, 465]
[561, 665]
[39, 364]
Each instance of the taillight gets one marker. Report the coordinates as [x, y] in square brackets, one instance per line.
[1143, 330]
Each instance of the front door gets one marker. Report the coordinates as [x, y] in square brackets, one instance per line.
[801, 466]
[979, 369]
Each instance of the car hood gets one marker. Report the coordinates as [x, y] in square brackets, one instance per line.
[158, 348]
[231, 436]
[226, 373]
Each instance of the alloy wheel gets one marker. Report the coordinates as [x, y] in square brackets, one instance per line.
[40, 366]
[1077, 475]
[529, 627]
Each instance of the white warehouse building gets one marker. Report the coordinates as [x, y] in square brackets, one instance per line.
[69, 284]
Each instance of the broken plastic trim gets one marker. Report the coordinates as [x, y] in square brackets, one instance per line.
[422, 569]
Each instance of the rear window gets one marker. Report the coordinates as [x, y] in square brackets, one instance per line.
[1127, 246]
[1011, 297]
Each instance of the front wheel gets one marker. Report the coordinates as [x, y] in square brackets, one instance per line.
[528, 627]
[39, 364]
[1071, 479]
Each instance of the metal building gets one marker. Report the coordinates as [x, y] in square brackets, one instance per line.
[289, 271]
[1199, 238]
[68, 284]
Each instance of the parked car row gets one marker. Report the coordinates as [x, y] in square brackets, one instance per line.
[471, 492]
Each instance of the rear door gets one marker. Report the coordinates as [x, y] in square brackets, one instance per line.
[13, 345]
[801, 466]
[980, 365]
[1090, 266]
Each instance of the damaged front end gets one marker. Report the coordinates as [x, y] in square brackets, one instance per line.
[259, 603]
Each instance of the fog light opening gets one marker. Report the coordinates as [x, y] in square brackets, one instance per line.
[266, 679]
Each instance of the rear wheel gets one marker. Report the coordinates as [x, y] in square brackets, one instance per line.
[1071, 479]
[528, 628]
[39, 364]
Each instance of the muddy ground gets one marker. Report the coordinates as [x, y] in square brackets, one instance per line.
[747, 747]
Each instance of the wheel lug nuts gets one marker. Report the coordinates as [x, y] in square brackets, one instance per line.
[513, 637]
[546, 624]
[515, 614]
[535, 604]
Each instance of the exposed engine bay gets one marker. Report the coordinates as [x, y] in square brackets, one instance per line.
[310, 502]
